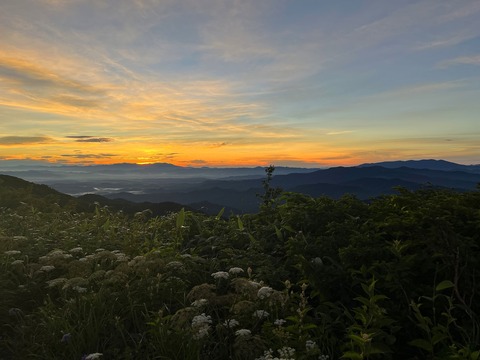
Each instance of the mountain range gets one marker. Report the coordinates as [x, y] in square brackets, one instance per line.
[237, 189]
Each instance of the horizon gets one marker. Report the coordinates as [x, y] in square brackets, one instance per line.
[30, 162]
[239, 84]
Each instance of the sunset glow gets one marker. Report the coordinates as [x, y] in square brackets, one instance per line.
[228, 83]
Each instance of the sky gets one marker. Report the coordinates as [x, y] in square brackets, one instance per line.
[239, 82]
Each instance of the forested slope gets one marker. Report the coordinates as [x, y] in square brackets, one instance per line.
[304, 278]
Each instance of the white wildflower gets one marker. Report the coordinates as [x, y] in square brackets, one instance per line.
[201, 325]
[201, 319]
[280, 322]
[99, 249]
[201, 332]
[231, 323]
[17, 262]
[220, 275]
[243, 332]
[56, 282]
[261, 314]
[80, 289]
[235, 270]
[200, 303]
[47, 268]
[323, 357]
[264, 292]
[76, 250]
[286, 352]
[93, 356]
[310, 345]
[12, 252]
[175, 265]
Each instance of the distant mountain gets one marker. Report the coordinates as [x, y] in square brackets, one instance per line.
[365, 182]
[237, 189]
[426, 164]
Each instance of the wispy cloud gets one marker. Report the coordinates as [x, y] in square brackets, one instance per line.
[462, 60]
[91, 139]
[24, 140]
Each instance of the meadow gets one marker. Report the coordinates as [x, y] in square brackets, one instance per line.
[304, 278]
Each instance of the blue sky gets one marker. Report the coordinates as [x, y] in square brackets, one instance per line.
[210, 82]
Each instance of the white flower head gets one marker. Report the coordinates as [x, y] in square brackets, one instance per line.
[200, 303]
[235, 270]
[201, 319]
[310, 345]
[261, 314]
[279, 322]
[264, 292]
[220, 275]
[47, 268]
[93, 356]
[231, 323]
[243, 332]
[286, 352]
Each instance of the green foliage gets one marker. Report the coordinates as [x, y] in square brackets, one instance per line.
[305, 278]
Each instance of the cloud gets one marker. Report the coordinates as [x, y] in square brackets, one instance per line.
[340, 132]
[88, 138]
[462, 60]
[24, 140]
[28, 75]
[95, 140]
[88, 156]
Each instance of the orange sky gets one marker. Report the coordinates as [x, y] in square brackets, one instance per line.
[239, 83]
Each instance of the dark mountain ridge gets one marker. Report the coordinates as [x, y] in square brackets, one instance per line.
[15, 192]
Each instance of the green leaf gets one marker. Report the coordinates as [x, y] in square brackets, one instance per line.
[445, 284]
[352, 355]
[220, 213]
[422, 344]
[240, 223]
[180, 218]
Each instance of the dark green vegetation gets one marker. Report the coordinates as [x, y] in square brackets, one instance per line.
[15, 192]
[304, 278]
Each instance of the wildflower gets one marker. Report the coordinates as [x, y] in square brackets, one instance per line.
[317, 261]
[200, 303]
[286, 352]
[56, 282]
[323, 357]
[279, 322]
[261, 314]
[12, 252]
[231, 323]
[201, 325]
[201, 319]
[310, 345]
[201, 332]
[66, 338]
[80, 289]
[175, 265]
[220, 275]
[76, 250]
[235, 270]
[16, 262]
[47, 268]
[264, 292]
[243, 332]
[99, 250]
[92, 356]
